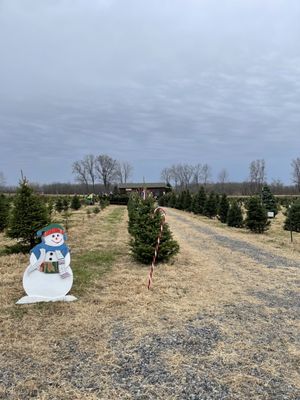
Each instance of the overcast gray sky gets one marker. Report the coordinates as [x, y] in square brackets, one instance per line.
[154, 82]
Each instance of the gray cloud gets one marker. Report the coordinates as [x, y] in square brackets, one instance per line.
[151, 82]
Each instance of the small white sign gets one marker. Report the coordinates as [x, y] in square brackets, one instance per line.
[270, 214]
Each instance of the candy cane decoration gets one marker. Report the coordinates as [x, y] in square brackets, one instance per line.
[163, 220]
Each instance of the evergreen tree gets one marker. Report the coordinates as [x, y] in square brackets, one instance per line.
[187, 201]
[257, 219]
[235, 215]
[172, 200]
[180, 200]
[144, 228]
[65, 204]
[210, 207]
[50, 206]
[292, 221]
[217, 201]
[75, 203]
[162, 200]
[29, 214]
[4, 212]
[132, 208]
[199, 201]
[223, 208]
[59, 205]
[269, 200]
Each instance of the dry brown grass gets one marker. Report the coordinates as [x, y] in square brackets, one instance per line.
[213, 316]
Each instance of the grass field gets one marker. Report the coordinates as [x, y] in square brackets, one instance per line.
[219, 323]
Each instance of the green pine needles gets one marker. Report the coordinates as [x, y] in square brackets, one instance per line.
[292, 222]
[4, 212]
[268, 200]
[257, 219]
[144, 228]
[28, 215]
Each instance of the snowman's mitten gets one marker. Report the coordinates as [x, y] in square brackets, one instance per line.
[38, 262]
[63, 269]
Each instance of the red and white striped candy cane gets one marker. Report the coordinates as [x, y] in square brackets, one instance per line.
[163, 220]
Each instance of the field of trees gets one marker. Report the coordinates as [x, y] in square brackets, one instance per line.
[220, 322]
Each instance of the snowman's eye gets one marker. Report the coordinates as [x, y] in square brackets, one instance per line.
[53, 236]
[57, 235]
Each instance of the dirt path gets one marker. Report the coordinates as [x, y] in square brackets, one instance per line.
[218, 324]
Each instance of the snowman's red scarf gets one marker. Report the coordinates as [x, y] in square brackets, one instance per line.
[163, 220]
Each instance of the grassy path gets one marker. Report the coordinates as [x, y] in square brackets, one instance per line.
[216, 325]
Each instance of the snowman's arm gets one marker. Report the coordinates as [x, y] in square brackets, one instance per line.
[67, 259]
[34, 262]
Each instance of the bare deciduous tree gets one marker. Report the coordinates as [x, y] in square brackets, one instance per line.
[174, 174]
[197, 174]
[206, 174]
[166, 175]
[223, 178]
[296, 172]
[106, 169]
[187, 174]
[81, 173]
[123, 171]
[89, 162]
[257, 175]
[182, 174]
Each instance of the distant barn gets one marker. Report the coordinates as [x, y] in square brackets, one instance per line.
[157, 189]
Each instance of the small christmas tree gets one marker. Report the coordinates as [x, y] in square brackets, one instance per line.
[210, 207]
[235, 215]
[180, 200]
[132, 207]
[257, 219]
[292, 221]
[65, 204]
[199, 201]
[187, 201]
[4, 212]
[75, 202]
[144, 228]
[269, 200]
[223, 208]
[172, 200]
[59, 205]
[29, 214]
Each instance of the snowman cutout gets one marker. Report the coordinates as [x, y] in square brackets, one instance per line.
[49, 276]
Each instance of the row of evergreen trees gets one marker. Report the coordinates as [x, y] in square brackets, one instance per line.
[144, 227]
[230, 212]
[29, 211]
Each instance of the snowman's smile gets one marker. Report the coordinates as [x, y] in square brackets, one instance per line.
[56, 242]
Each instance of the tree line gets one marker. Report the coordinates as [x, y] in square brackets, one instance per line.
[100, 173]
[189, 176]
[231, 211]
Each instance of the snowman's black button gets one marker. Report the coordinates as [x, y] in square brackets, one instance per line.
[51, 254]
[50, 259]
